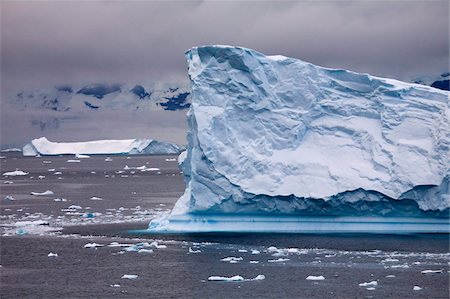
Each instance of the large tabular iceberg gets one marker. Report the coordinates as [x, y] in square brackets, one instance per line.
[278, 144]
[42, 146]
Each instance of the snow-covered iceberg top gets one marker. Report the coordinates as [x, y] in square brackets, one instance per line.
[272, 135]
[42, 146]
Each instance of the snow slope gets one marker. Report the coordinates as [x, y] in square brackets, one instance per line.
[275, 135]
[43, 146]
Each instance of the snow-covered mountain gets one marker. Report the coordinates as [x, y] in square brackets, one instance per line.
[103, 96]
[278, 144]
[441, 81]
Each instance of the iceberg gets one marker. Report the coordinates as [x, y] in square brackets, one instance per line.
[276, 144]
[42, 146]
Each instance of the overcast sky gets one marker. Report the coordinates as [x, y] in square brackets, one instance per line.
[51, 42]
[46, 43]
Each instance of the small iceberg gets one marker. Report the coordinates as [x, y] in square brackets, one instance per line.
[93, 245]
[80, 156]
[312, 277]
[129, 276]
[373, 283]
[15, 173]
[51, 254]
[48, 192]
[235, 278]
[417, 288]
[431, 271]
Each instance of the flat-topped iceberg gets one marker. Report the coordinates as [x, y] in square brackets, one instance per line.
[278, 144]
[42, 146]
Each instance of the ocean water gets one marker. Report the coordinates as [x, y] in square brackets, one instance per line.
[179, 265]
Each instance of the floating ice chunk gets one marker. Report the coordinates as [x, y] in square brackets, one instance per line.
[74, 207]
[390, 276]
[194, 250]
[373, 283]
[254, 262]
[129, 276]
[171, 160]
[150, 169]
[93, 245]
[431, 271]
[48, 192]
[242, 250]
[417, 288]
[59, 199]
[235, 278]
[46, 162]
[9, 197]
[21, 232]
[8, 182]
[144, 250]
[223, 278]
[279, 260]
[108, 159]
[31, 223]
[156, 245]
[80, 156]
[96, 198]
[272, 249]
[115, 285]
[312, 277]
[51, 254]
[116, 244]
[389, 260]
[254, 251]
[15, 173]
[58, 172]
[371, 289]
[51, 169]
[404, 266]
[41, 177]
[2, 157]
[231, 259]
[73, 161]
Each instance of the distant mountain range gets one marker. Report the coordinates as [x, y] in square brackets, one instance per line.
[103, 96]
[441, 82]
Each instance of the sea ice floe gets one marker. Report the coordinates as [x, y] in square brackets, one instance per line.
[48, 192]
[389, 260]
[9, 197]
[115, 285]
[129, 276]
[108, 159]
[279, 260]
[171, 160]
[59, 199]
[15, 173]
[74, 207]
[46, 162]
[51, 254]
[242, 250]
[373, 283]
[312, 277]
[194, 250]
[93, 245]
[431, 271]
[231, 259]
[254, 251]
[8, 182]
[80, 156]
[417, 288]
[254, 262]
[390, 276]
[235, 278]
[73, 161]
[96, 198]
[404, 266]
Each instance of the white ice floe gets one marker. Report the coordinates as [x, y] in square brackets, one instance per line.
[194, 250]
[312, 277]
[51, 254]
[115, 285]
[390, 276]
[96, 198]
[231, 259]
[15, 173]
[373, 283]
[9, 197]
[80, 156]
[108, 159]
[431, 271]
[171, 160]
[254, 262]
[93, 245]
[73, 161]
[235, 278]
[242, 250]
[129, 276]
[8, 182]
[59, 199]
[404, 266]
[41, 177]
[279, 260]
[48, 192]
[389, 260]
[417, 288]
[144, 250]
[46, 162]
[254, 251]
[74, 207]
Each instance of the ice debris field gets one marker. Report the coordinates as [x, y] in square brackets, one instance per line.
[279, 144]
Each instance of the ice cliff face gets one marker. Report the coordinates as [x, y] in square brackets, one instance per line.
[42, 146]
[271, 134]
